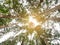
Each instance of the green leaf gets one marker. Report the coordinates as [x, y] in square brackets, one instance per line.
[47, 2]
[4, 21]
[3, 9]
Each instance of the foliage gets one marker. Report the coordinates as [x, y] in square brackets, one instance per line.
[22, 16]
[4, 21]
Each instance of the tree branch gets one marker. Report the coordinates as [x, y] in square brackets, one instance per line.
[47, 12]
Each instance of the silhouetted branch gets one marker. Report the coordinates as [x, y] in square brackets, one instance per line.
[47, 12]
[55, 19]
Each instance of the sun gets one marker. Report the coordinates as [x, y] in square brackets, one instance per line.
[34, 25]
[32, 21]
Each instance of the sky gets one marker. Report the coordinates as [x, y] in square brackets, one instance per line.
[11, 34]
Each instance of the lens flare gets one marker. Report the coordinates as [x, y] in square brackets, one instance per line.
[32, 21]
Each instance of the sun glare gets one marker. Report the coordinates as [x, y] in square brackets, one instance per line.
[33, 22]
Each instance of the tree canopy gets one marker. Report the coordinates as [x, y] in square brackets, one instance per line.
[18, 16]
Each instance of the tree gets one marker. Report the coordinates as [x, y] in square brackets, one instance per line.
[31, 14]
